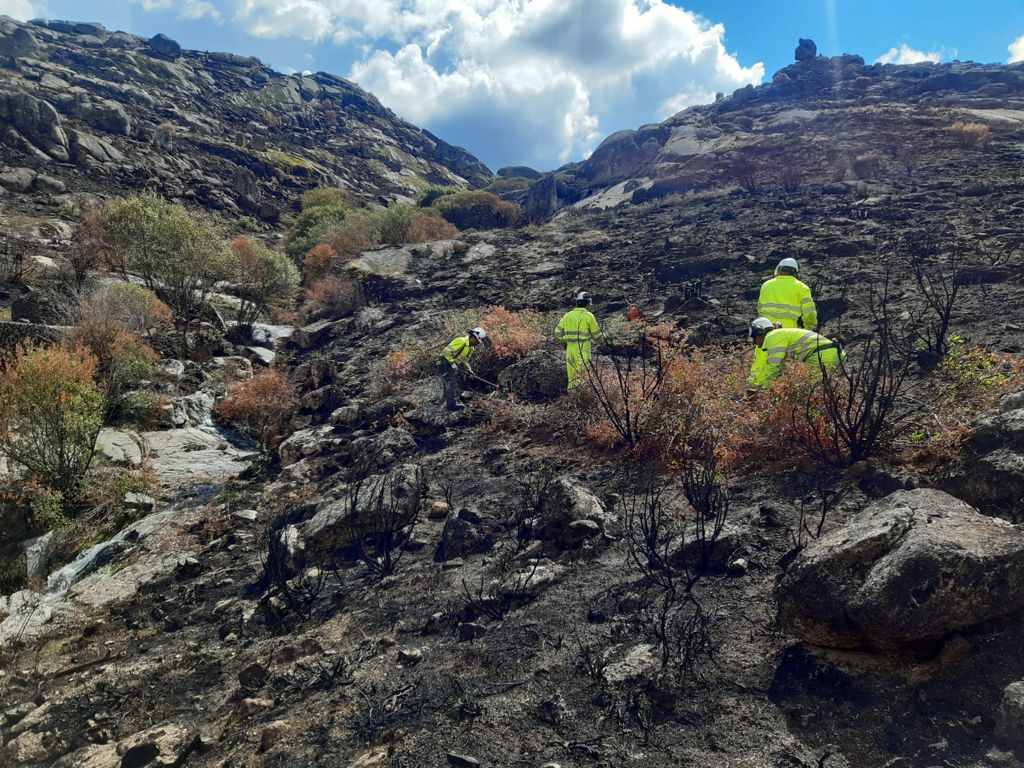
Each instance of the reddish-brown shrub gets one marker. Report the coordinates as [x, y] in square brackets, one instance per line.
[426, 227]
[969, 135]
[332, 298]
[135, 308]
[123, 362]
[317, 264]
[259, 407]
[514, 334]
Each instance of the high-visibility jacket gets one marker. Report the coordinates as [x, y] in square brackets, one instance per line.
[577, 329]
[784, 299]
[789, 344]
[459, 352]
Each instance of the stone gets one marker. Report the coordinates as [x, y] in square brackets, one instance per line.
[391, 499]
[639, 662]
[121, 446]
[18, 44]
[165, 46]
[739, 566]
[564, 502]
[378, 452]
[108, 116]
[459, 539]
[992, 475]
[372, 759]
[92, 756]
[469, 631]
[806, 49]
[579, 531]
[27, 748]
[1010, 716]
[35, 120]
[250, 707]
[274, 734]
[18, 179]
[139, 501]
[168, 744]
[916, 565]
[48, 185]
[410, 656]
[306, 442]
[462, 761]
[719, 553]
[438, 510]
[537, 377]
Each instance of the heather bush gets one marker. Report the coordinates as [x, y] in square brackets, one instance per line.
[968, 135]
[478, 210]
[265, 279]
[123, 363]
[433, 194]
[317, 263]
[331, 298]
[51, 412]
[135, 308]
[259, 407]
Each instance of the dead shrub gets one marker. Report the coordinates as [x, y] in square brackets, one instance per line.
[426, 227]
[867, 166]
[515, 334]
[135, 308]
[317, 264]
[332, 298]
[259, 407]
[970, 135]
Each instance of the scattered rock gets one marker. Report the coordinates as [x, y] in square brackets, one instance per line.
[638, 663]
[273, 734]
[167, 744]
[18, 180]
[250, 707]
[438, 510]
[460, 538]
[462, 761]
[739, 566]
[410, 656]
[27, 748]
[564, 502]
[579, 531]
[916, 565]
[538, 376]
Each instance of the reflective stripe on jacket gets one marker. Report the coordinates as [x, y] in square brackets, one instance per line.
[784, 299]
[577, 326]
[459, 352]
[780, 344]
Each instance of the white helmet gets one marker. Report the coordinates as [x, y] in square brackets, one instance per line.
[788, 263]
[760, 326]
[482, 336]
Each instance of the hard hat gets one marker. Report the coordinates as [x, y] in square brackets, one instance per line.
[583, 296]
[788, 263]
[481, 335]
[761, 326]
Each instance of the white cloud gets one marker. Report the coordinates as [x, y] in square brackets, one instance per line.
[535, 80]
[22, 10]
[200, 9]
[1016, 49]
[907, 55]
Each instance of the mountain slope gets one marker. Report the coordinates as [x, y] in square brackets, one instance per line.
[94, 111]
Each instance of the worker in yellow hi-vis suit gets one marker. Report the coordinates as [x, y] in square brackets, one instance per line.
[774, 345]
[576, 330]
[455, 359]
[786, 300]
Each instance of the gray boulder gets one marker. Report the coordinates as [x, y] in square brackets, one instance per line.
[35, 120]
[386, 501]
[378, 452]
[538, 376]
[917, 565]
[18, 179]
[1010, 716]
[165, 46]
[19, 43]
[563, 503]
[108, 116]
[461, 538]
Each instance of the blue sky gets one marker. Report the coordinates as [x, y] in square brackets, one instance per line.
[541, 82]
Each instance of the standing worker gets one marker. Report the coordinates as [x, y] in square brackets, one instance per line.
[774, 345]
[455, 358]
[576, 330]
[786, 300]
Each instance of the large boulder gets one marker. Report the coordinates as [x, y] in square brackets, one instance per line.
[914, 566]
[538, 376]
[35, 120]
[805, 50]
[1010, 716]
[565, 502]
[992, 473]
[387, 501]
[165, 46]
[19, 43]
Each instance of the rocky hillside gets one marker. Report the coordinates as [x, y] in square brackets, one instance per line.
[88, 111]
[397, 585]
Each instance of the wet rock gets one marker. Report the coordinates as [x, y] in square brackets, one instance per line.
[916, 565]
[1010, 716]
[165, 46]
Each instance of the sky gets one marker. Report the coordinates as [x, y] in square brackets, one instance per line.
[542, 82]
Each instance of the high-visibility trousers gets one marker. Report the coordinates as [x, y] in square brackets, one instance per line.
[577, 359]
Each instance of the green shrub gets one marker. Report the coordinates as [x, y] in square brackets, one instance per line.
[433, 194]
[265, 279]
[478, 210]
[312, 227]
[51, 412]
[325, 196]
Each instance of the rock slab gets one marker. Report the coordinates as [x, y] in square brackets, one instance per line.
[914, 566]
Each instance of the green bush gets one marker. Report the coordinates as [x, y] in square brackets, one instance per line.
[265, 279]
[324, 196]
[433, 194]
[312, 227]
[478, 210]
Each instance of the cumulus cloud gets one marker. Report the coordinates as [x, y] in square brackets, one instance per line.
[22, 10]
[907, 55]
[536, 82]
[1016, 49]
[200, 9]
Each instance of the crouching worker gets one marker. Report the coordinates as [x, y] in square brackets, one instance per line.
[455, 360]
[773, 346]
